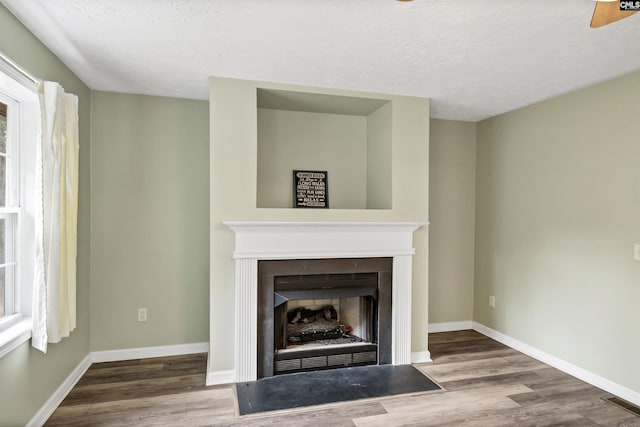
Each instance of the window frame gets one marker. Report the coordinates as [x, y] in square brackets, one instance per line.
[23, 117]
[10, 212]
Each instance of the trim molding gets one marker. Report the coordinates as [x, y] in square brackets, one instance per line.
[421, 357]
[450, 326]
[221, 377]
[322, 226]
[322, 254]
[61, 392]
[13, 336]
[19, 74]
[147, 352]
[571, 369]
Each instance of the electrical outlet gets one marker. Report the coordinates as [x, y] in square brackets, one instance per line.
[492, 301]
[142, 315]
[636, 251]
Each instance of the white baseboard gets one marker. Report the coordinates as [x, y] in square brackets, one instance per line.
[571, 369]
[146, 352]
[221, 377]
[61, 392]
[450, 326]
[420, 357]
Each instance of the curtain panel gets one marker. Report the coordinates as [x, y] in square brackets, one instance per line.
[54, 298]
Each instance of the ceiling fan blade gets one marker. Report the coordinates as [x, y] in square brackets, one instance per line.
[607, 12]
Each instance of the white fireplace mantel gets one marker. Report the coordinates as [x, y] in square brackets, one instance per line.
[261, 240]
[287, 240]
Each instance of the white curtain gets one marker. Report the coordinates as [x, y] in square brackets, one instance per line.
[54, 302]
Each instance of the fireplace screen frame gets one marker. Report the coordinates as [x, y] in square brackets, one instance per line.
[268, 270]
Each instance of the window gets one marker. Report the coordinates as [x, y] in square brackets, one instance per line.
[19, 124]
[9, 209]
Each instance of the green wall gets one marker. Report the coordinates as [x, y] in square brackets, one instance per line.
[27, 377]
[557, 214]
[150, 225]
[452, 167]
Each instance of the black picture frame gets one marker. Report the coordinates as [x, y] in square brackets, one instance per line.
[310, 189]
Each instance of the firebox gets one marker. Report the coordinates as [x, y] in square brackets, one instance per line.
[323, 313]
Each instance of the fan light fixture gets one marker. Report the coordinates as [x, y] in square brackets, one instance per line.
[608, 11]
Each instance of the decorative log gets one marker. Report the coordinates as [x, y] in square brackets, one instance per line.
[306, 315]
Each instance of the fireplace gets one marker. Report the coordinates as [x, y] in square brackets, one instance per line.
[259, 241]
[323, 314]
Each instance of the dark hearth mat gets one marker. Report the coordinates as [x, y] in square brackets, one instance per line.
[334, 385]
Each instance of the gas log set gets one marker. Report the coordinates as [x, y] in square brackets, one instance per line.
[321, 326]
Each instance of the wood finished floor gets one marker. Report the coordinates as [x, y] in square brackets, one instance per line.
[486, 384]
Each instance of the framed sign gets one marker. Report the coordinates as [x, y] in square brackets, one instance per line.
[310, 189]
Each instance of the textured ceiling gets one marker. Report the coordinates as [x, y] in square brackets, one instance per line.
[473, 58]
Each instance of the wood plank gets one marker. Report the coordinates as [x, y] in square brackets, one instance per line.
[438, 406]
[452, 357]
[481, 368]
[177, 409]
[329, 415]
[120, 390]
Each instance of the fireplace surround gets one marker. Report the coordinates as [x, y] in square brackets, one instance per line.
[265, 240]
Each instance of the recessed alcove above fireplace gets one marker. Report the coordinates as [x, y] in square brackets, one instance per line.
[329, 247]
[348, 137]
